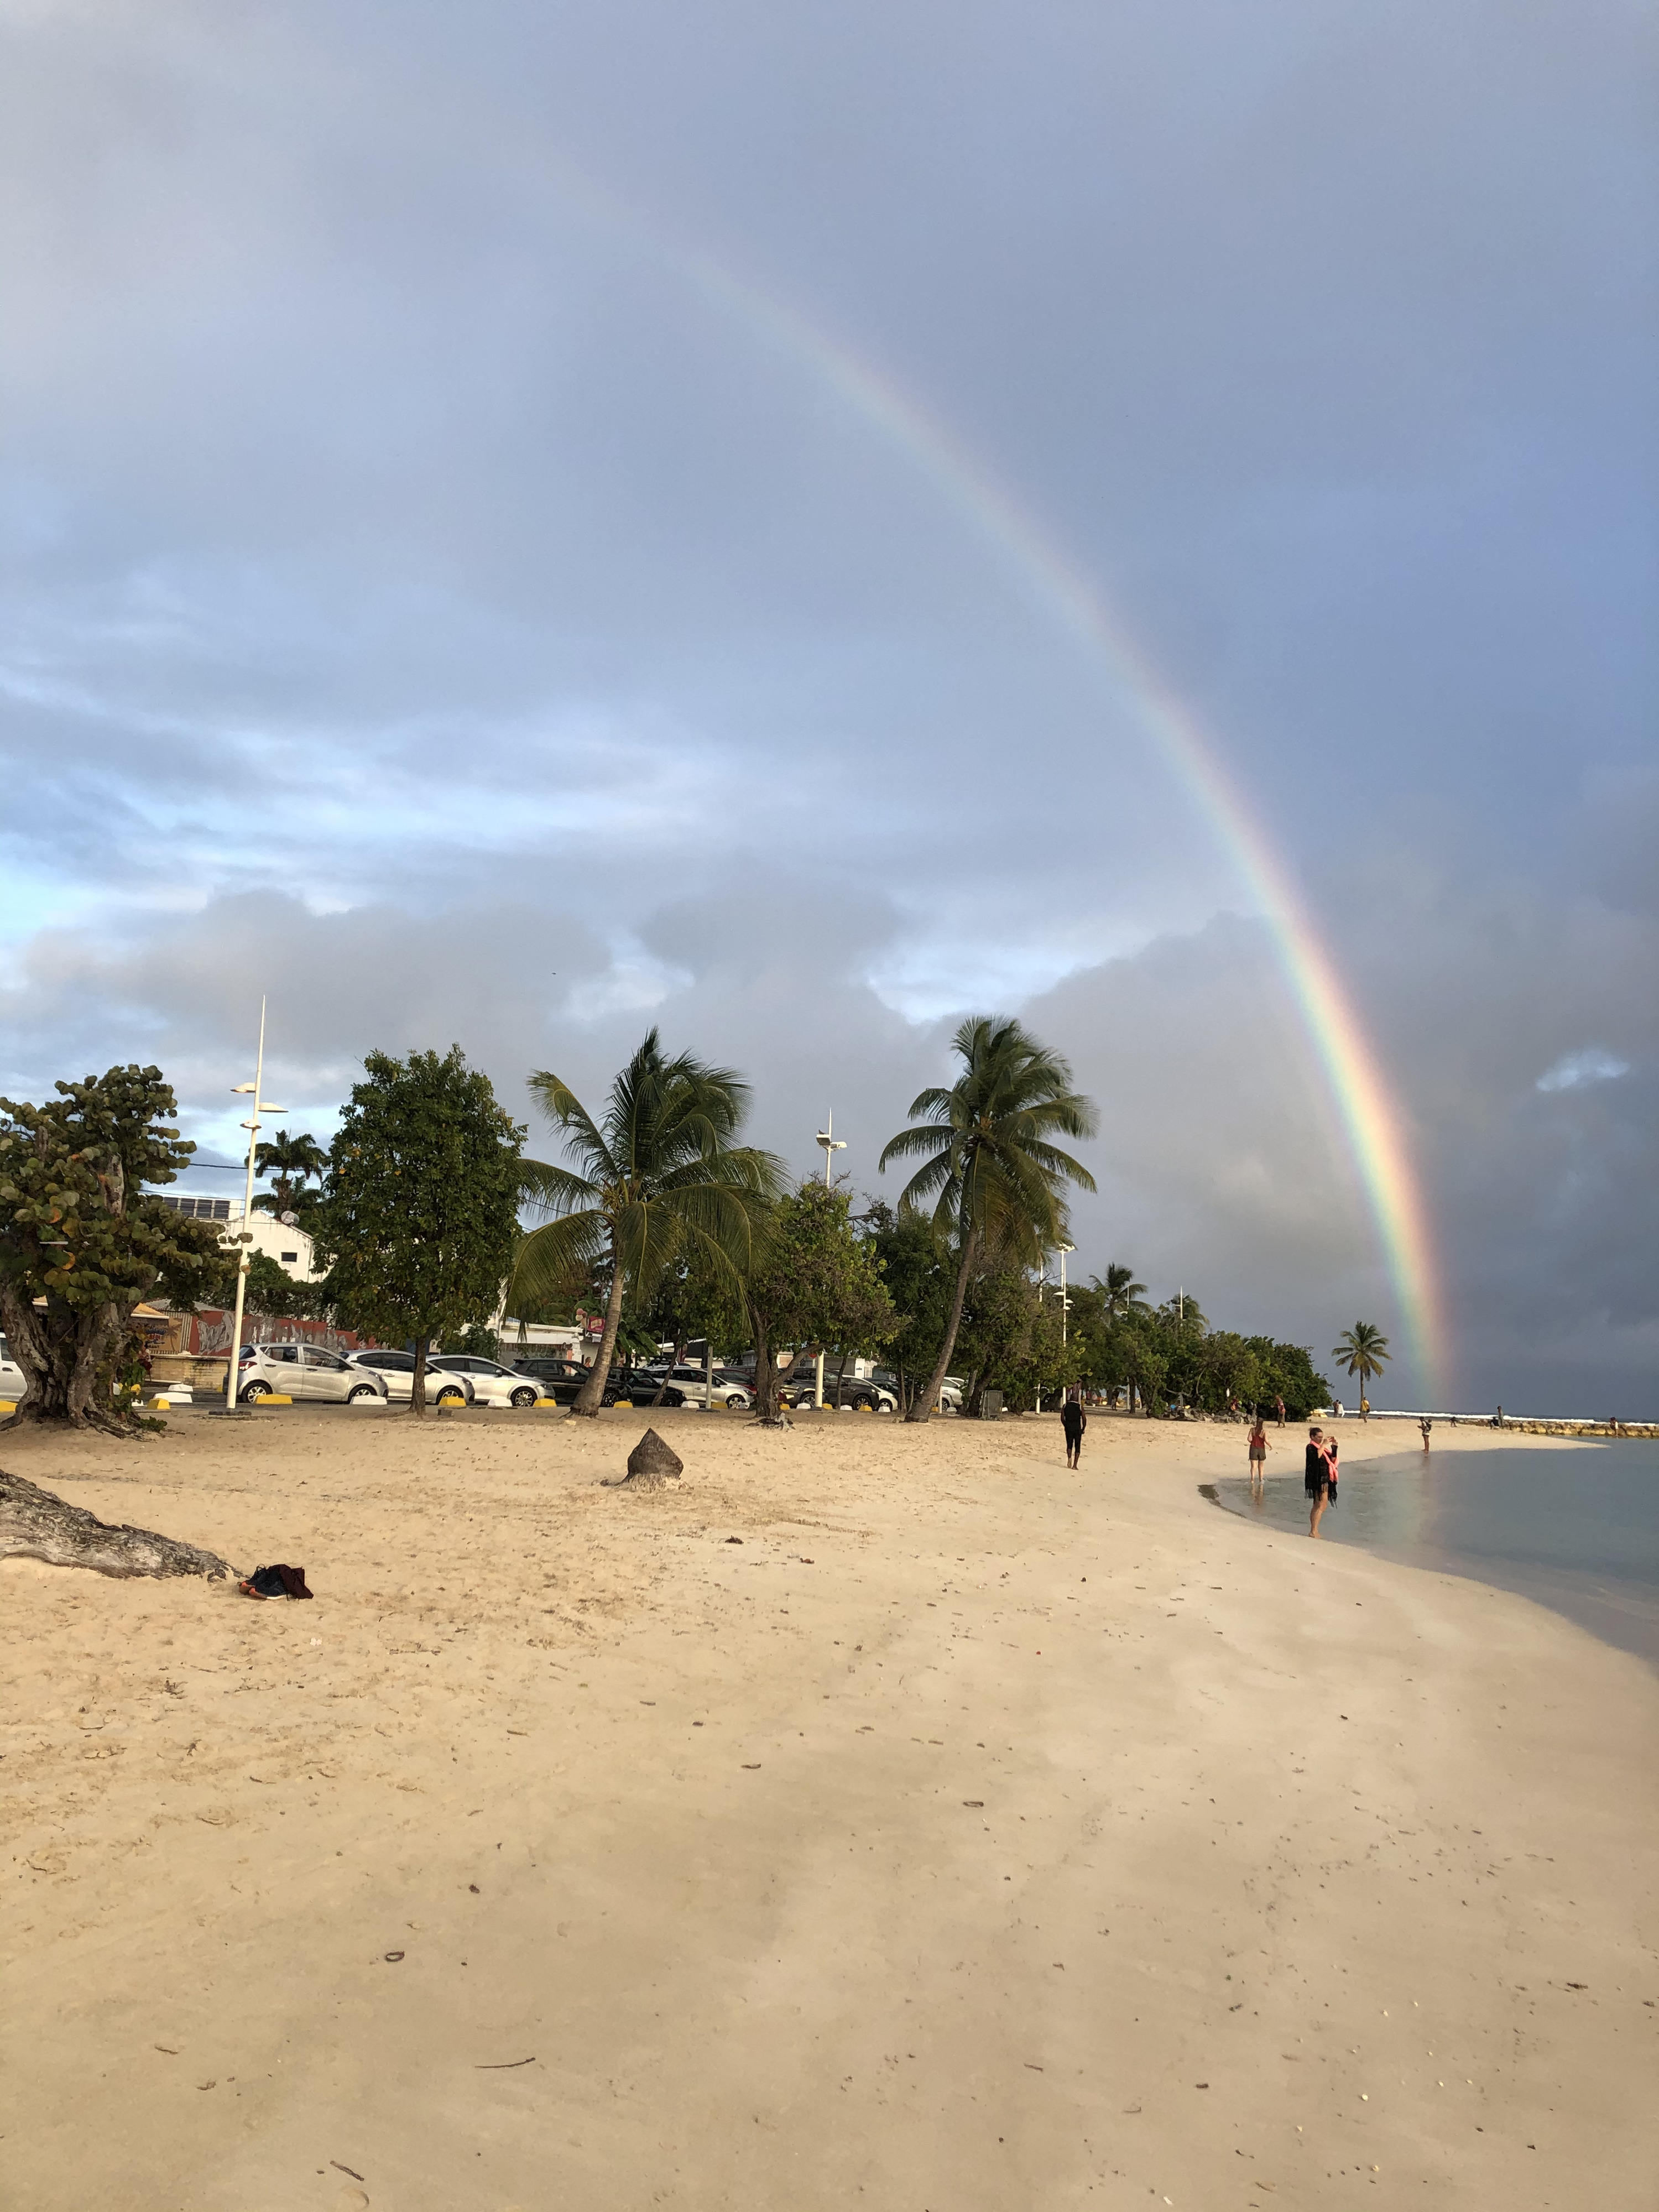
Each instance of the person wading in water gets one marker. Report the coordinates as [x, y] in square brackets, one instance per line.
[1074, 1420]
[1259, 1449]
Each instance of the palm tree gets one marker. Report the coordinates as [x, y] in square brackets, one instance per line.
[990, 1168]
[1120, 1295]
[295, 1160]
[656, 1174]
[1363, 1350]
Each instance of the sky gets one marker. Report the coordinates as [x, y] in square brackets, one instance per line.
[519, 525]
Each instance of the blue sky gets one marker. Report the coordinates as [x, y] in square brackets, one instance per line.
[431, 603]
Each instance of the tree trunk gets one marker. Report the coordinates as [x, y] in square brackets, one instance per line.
[767, 1376]
[417, 1388]
[36, 1525]
[922, 1409]
[67, 1354]
[590, 1396]
[766, 1383]
[662, 1386]
[841, 1375]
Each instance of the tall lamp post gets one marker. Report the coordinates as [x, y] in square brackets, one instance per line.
[251, 1125]
[832, 1144]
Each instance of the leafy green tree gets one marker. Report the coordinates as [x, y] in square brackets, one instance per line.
[271, 1290]
[1010, 1338]
[918, 1271]
[815, 1281]
[1364, 1351]
[294, 1161]
[989, 1164]
[79, 1230]
[1286, 1371]
[419, 1210]
[658, 1173]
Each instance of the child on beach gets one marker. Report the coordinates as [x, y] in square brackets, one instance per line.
[1259, 1449]
[1425, 1425]
[1074, 1420]
[1318, 1476]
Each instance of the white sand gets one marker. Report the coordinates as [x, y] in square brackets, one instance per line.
[1045, 1840]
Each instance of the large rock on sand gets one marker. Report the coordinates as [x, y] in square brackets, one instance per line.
[651, 1461]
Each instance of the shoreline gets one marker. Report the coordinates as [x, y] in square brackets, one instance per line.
[937, 1840]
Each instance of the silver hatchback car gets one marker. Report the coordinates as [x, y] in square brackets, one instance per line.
[303, 1372]
[395, 1372]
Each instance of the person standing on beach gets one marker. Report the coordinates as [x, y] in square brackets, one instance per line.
[1317, 1480]
[1279, 1403]
[1074, 1420]
[1258, 1451]
[1425, 1425]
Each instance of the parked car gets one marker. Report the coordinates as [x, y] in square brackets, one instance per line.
[951, 1391]
[562, 1379]
[492, 1383]
[13, 1380]
[396, 1371]
[304, 1371]
[858, 1393]
[690, 1386]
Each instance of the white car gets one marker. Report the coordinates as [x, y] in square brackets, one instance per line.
[304, 1372]
[690, 1386]
[492, 1384]
[395, 1372]
[13, 1380]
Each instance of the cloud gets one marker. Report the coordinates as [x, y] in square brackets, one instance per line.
[1575, 1069]
[435, 601]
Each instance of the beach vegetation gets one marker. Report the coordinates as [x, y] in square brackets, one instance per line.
[418, 1214]
[816, 1283]
[83, 1240]
[991, 1174]
[658, 1173]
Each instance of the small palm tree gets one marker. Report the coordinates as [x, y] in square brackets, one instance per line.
[658, 1173]
[1364, 1351]
[1120, 1294]
[990, 1168]
[294, 1160]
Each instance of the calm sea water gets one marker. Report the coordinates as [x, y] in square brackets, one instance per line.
[1577, 1529]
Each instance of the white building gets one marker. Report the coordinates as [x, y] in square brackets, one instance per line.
[284, 1242]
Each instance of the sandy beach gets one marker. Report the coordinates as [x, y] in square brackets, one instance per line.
[878, 1816]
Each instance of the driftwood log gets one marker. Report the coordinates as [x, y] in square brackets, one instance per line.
[35, 1525]
[651, 1463]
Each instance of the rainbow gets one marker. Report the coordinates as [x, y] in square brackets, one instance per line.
[1369, 1115]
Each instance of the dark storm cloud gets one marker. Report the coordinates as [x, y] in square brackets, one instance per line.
[434, 600]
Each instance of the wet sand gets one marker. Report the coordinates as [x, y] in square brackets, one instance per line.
[970, 1834]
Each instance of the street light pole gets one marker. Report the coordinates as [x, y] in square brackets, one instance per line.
[251, 1125]
[832, 1144]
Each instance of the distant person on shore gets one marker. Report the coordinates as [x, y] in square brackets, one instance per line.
[1336, 1407]
[1425, 1425]
[1317, 1478]
[1279, 1404]
[1074, 1420]
[1258, 1451]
